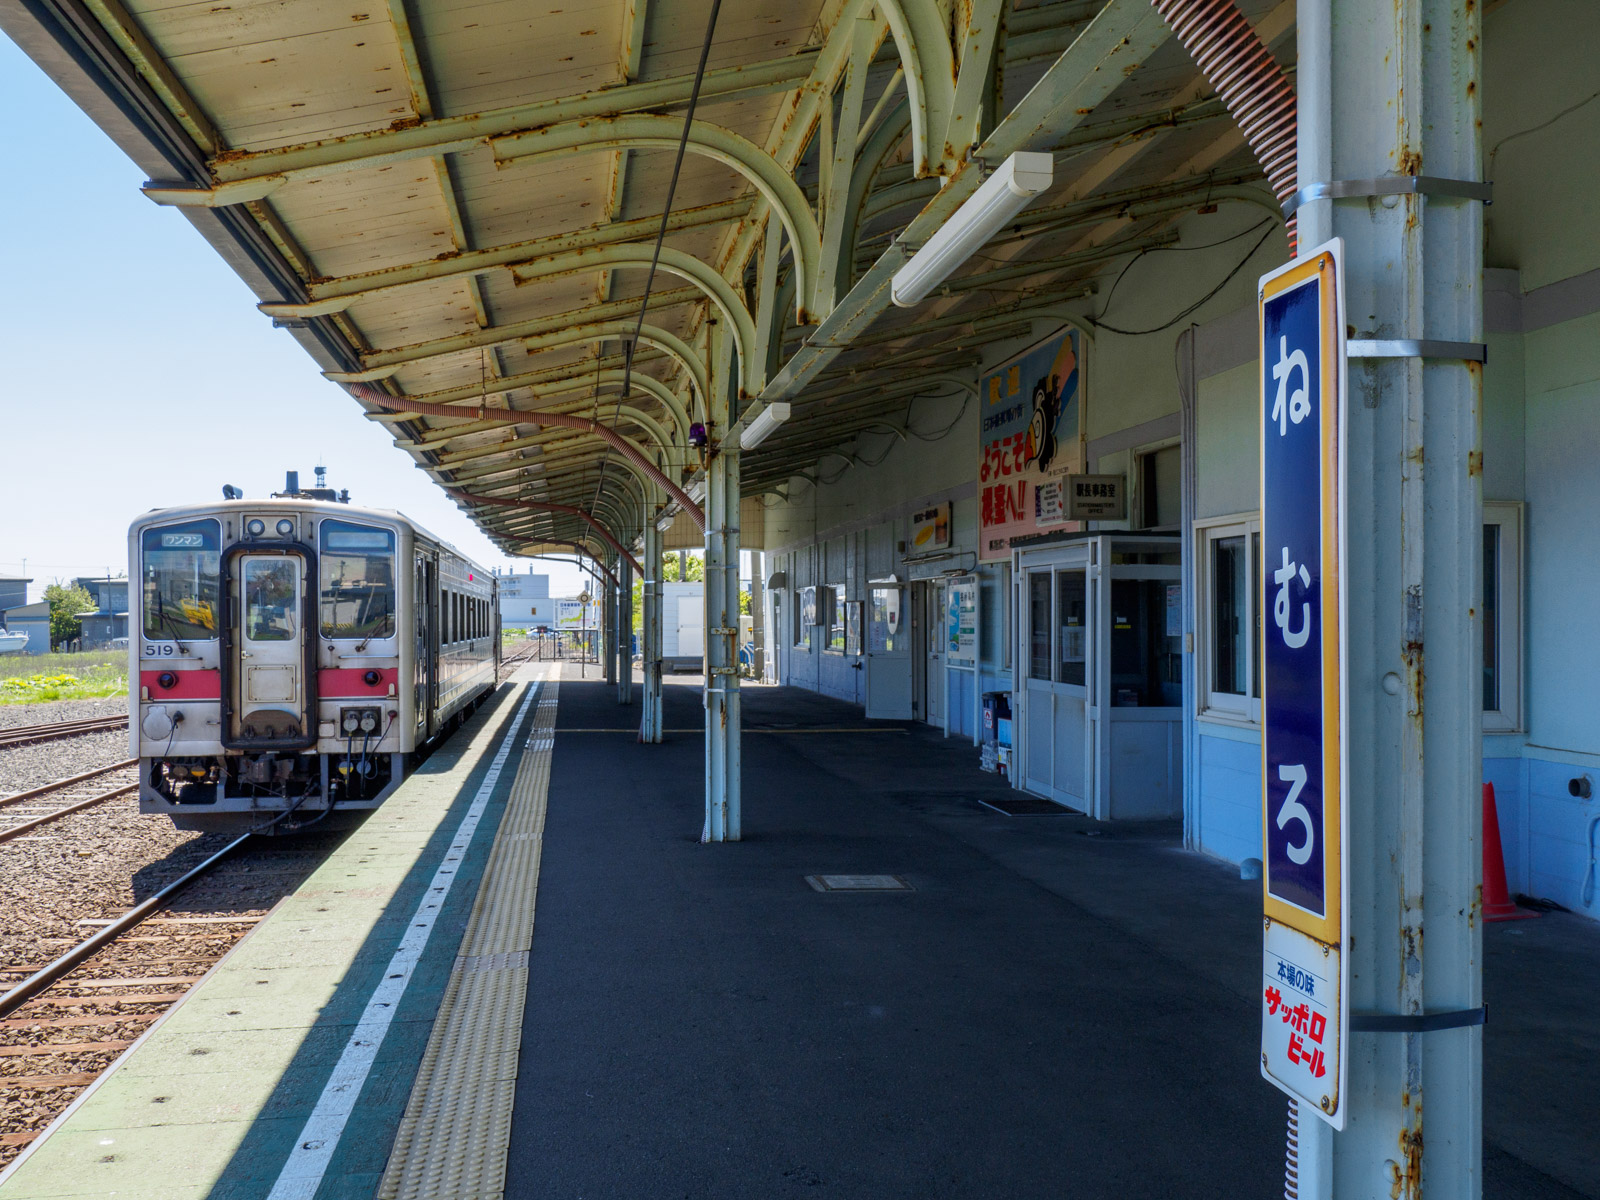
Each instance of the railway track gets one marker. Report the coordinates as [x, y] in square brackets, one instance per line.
[28, 735]
[65, 1022]
[26, 811]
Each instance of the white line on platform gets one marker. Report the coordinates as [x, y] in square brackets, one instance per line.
[313, 1150]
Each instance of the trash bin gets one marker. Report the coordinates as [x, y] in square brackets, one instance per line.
[997, 709]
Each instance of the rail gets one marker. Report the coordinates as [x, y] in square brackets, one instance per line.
[27, 735]
[45, 818]
[47, 975]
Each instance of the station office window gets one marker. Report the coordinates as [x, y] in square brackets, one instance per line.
[836, 620]
[1502, 616]
[1228, 641]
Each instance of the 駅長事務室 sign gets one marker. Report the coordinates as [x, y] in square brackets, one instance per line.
[1305, 970]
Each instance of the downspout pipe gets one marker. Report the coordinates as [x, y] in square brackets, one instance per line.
[512, 416]
[1243, 73]
[545, 506]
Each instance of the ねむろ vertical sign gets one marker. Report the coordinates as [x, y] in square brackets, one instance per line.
[1304, 997]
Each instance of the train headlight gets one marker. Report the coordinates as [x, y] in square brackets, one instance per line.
[255, 526]
[285, 527]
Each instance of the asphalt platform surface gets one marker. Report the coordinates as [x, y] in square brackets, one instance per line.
[1058, 1008]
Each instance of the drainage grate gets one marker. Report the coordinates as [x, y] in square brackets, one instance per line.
[859, 883]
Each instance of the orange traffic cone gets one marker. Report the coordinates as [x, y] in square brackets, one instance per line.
[1497, 905]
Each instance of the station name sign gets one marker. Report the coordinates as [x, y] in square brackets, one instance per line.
[1305, 970]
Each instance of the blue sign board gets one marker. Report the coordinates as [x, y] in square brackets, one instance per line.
[1292, 570]
[1304, 997]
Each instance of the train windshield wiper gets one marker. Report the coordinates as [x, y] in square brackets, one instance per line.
[165, 618]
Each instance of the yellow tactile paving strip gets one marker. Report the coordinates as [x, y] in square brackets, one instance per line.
[456, 1130]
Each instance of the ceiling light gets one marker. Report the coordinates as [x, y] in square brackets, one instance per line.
[665, 521]
[1002, 196]
[767, 420]
[696, 490]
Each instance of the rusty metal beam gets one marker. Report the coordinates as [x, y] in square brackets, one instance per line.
[617, 442]
[538, 506]
[252, 175]
[1121, 37]
[325, 293]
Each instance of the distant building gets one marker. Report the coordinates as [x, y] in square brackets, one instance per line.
[33, 620]
[109, 619]
[525, 601]
[13, 593]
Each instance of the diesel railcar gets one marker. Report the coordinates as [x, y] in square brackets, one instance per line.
[290, 657]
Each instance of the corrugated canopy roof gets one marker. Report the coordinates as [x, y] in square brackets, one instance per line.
[456, 202]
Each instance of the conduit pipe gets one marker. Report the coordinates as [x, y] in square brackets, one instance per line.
[546, 506]
[512, 416]
[1242, 71]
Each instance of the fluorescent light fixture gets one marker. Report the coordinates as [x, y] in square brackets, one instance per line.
[767, 420]
[1002, 196]
[664, 522]
[696, 490]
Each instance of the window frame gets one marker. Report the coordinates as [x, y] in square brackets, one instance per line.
[217, 583]
[1225, 707]
[836, 621]
[1509, 517]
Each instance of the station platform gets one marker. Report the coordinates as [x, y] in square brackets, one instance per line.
[1040, 1007]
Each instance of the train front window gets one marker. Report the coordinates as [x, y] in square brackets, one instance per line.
[269, 599]
[178, 575]
[357, 585]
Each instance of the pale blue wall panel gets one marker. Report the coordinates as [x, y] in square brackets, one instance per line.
[1230, 797]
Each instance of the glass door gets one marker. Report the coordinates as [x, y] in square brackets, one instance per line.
[888, 655]
[1056, 721]
[933, 637]
[269, 703]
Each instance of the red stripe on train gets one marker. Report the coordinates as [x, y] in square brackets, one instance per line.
[186, 685]
[351, 683]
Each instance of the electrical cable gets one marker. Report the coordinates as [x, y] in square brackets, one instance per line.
[1227, 279]
[661, 234]
[1158, 249]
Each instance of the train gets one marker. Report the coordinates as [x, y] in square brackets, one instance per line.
[291, 659]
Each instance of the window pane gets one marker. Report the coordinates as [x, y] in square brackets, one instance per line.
[1072, 601]
[1255, 597]
[357, 581]
[179, 578]
[1230, 644]
[269, 599]
[1491, 618]
[1039, 625]
[836, 638]
[1146, 659]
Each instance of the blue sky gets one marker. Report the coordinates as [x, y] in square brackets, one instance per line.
[136, 373]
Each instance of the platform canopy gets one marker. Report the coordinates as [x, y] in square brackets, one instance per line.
[457, 204]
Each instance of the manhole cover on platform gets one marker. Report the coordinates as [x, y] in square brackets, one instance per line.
[859, 883]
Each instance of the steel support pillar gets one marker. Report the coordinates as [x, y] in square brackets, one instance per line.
[608, 632]
[722, 607]
[758, 615]
[650, 638]
[624, 631]
[1391, 87]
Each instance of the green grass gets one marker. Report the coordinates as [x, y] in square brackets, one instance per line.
[35, 678]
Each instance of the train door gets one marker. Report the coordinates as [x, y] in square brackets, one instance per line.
[426, 684]
[269, 698]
